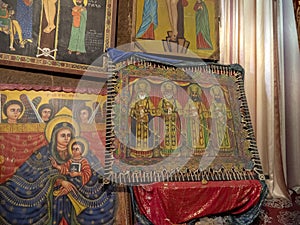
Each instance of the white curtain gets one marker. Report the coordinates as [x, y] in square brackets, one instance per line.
[261, 36]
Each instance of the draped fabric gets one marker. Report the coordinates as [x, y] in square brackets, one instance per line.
[17, 147]
[161, 202]
[291, 93]
[172, 189]
[261, 36]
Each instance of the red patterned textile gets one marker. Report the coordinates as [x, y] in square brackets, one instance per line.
[179, 202]
[16, 148]
[280, 211]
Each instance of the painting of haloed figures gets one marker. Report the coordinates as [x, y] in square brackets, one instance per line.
[53, 29]
[52, 159]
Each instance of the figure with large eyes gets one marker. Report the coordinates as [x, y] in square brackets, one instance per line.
[46, 112]
[78, 165]
[46, 196]
[13, 110]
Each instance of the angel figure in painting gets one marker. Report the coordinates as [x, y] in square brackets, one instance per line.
[77, 166]
[46, 112]
[13, 110]
[83, 114]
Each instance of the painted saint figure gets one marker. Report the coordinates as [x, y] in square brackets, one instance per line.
[170, 110]
[10, 26]
[46, 196]
[173, 17]
[196, 120]
[24, 15]
[202, 26]
[50, 14]
[142, 111]
[220, 116]
[149, 20]
[77, 166]
[176, 18]
[77, 37]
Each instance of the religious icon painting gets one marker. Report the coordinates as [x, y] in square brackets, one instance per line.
[187, 123]
[53, 139]
[26, 113]
[176, 28]
[56, 35]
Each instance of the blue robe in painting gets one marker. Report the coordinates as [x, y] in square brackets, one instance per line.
[28, 197]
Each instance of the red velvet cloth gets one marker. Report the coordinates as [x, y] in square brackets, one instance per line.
[167, 203]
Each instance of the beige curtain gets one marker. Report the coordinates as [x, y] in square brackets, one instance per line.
[292, 95]
[252, 33]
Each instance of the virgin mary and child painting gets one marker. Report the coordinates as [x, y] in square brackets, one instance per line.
[59, 183]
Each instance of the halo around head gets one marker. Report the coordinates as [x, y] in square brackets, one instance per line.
[60, 119]
[142, 85]
[83, 141]
[194, 88]
[168, 86]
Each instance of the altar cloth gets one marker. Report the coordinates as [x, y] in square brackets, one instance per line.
[167, 203]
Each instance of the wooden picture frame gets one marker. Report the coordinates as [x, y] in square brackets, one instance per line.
[28, 40]
[155, 35]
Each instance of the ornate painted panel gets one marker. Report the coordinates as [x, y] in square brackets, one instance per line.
[52, 156]
[188, 123]
[64, 36]
[177, 28]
